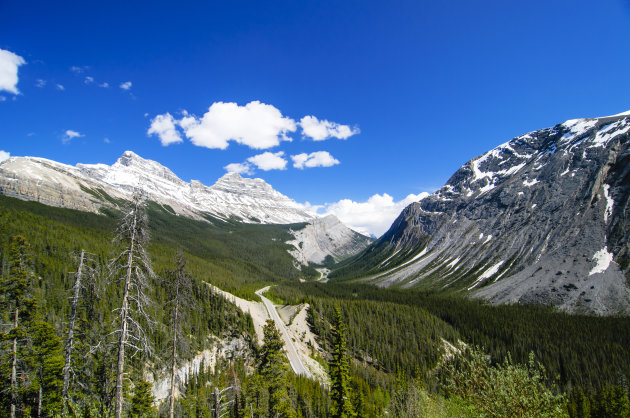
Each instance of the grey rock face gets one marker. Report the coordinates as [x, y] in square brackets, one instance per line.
[541, 219]
[326, 236]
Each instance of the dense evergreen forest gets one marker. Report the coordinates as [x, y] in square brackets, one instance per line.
[401, 330]
[67, 274]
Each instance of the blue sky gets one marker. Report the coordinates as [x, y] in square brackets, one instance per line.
[416, 88]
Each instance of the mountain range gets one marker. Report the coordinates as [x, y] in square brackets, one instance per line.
[541, 219]
[93, 187]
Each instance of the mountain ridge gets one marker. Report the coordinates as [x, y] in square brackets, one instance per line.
[540, 219]
[92, 187]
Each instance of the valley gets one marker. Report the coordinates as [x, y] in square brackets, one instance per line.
[521, 257]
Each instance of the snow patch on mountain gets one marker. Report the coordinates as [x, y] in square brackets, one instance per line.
[602, 259]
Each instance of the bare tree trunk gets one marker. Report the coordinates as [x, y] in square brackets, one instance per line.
[217, 402]
[123, 324]
[69, 340]
[171, 410]
[40, 394]
[14, 368]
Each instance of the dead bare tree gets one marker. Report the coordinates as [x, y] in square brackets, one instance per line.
[132, 270]
[179, 286]
[84, 278]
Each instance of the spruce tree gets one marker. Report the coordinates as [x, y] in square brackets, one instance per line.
[273, 369]
[338, 370]
[142, 401]
[19, 305]
[46, 362]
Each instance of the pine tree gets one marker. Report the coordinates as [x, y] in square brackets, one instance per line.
[134, 268]
[47, 363]
[273, 369]
[340, 396]
[19, 304]
[142, 401]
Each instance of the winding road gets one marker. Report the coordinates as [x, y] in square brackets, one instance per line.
[294, 359]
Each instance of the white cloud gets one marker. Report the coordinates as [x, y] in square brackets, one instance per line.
[374, 216]
[3, 99]
[4, 155]
[40, 83]
[60, 87]
[69, 135]
[88, 80]
[9, 63]
[78, 70]
[320, 130]
[240, 168]
[314, 159]
[107, 140]
[104, 85]
[269, 161]
[126, 85]
[257, 125]
[164, 127]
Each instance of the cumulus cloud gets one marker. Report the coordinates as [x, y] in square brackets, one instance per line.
[40, 83]
[126, 85]
[4, 155]
[319, 130]
[372, 217]
[9, 63]
[314, 159]
[104, 85]
[269, 161]
[88, 80]
[240, 168]
[69, 135]
[164, 127]
[257, 125]
[60, 87]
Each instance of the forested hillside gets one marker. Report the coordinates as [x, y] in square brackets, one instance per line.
[386, 350]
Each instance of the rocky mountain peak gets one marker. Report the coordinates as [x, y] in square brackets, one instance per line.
[542, 218]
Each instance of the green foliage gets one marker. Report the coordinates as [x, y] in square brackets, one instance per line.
[386, 335]
[273, 370]
[46, 362]
[142, 401]
[504, 390]
[585, 351]
[338, 370]
[611, 401]
[55, 236]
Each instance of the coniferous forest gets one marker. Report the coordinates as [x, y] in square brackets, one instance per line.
[96, 307]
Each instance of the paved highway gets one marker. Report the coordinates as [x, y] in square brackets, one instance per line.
[292, 355]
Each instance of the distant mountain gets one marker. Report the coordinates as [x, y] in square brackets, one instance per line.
[541, 219]
[324, 237]
[91, 187]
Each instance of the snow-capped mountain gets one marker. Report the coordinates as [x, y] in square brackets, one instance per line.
[82, 187]
[89, 187]
[541, 219]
